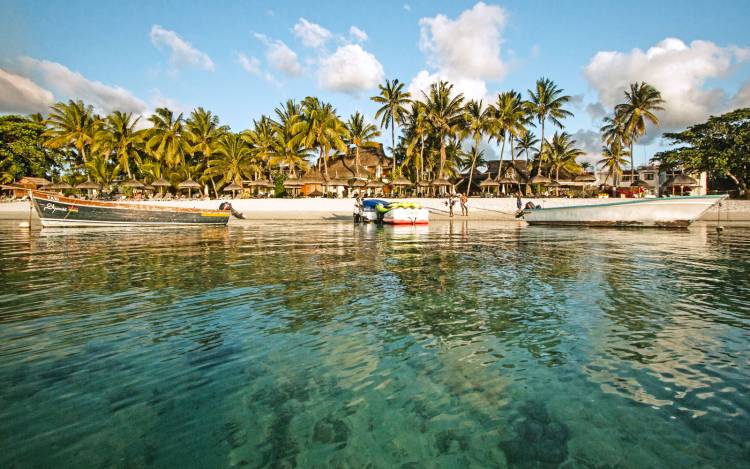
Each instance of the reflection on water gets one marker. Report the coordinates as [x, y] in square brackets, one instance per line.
[319, 345]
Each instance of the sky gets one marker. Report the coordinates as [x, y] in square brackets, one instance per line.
[241, 59]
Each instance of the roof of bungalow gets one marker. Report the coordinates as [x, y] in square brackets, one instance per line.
[33, 180]
[369, 159]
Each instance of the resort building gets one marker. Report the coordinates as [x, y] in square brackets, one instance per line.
[654, 181]
[345, 176]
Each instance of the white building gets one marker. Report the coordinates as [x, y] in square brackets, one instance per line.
[657, 181]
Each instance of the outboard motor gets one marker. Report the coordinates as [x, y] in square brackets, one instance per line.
[235, 213]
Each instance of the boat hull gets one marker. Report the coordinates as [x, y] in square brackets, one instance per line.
[407, 216]
[59, 211]
[668, 212]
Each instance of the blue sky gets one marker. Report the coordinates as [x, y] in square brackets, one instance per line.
[139, 55]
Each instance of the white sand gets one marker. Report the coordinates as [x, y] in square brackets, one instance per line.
[341, 209]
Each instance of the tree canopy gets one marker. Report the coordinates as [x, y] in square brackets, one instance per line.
[719, 146]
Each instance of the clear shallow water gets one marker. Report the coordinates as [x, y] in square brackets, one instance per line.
[319, 345]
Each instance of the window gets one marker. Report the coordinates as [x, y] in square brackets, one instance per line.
[650, 176]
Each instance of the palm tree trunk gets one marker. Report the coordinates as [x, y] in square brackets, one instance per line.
[213, 184]
[356, 162]
[502, 155]
[421, 160]
[442, 156]
[513, 163]
[541, 148]
[557, 177]
[393, 146]
[632, 168]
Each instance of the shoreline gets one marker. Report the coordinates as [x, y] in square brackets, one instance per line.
[337, 210]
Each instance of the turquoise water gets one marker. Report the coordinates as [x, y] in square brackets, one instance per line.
[332, 345]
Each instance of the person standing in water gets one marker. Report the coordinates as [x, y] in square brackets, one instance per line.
[464, 199]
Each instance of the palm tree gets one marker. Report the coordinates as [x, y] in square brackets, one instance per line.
[118, 136]
[203, 132]
[394, 110]
[475, 158]
[445, 114]
[547, 102]
[640, 104]
[102, 170]
[526, 142]
[166, 139]
[510, 118]
[361, 134]
[72, 125]
[562, 153]
[232, 160]
[614, 158]
[477, 122]
[418, 129]
[320, 127]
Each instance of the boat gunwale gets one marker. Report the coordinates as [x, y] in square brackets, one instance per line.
[635, 201]
[46, 196]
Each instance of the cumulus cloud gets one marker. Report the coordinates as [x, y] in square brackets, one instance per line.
[467, 46]
[472, 88]
[250, 64]
[357, 34]
[182, 53]
[742, 98]
[589, 141]
[465, 51]
[596, 111]
[20, 94]
[350, 69]
[680, 71]
[311, 34]
[69, 84]
[280, 56]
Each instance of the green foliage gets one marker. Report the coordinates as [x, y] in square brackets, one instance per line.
[22, 150]
[719, 146]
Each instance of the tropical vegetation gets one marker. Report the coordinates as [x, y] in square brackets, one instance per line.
[441, 135]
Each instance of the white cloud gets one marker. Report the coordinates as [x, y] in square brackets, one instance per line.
[472, 88]
[311, 34]
[464, 51]
[69, 84]
[182, 53]
[678, 70]
[250, 64]
[468, 46]
[280, 56]
[357, 34]
[590, 142]
[20, 94]
[407, 7]
[742, 98]
[350, 69]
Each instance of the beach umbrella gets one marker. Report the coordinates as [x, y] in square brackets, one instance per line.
[89, 185]
[189, 185]
[293, 184]
[540, 179]
[134, 183]
[233, 187]
[57, 186]
[585, 177]
[487, 183]
[149, 187]
[161, 183]
[399, 182]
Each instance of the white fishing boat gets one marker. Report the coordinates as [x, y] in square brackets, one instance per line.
[649, 212]
[414, 215]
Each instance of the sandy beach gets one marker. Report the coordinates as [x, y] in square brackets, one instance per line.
[323, 209]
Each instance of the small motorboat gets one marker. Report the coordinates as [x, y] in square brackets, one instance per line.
[56, 211]
[392, 213]
[663, 212]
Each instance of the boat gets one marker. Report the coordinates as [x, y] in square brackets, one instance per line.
[663, 212]
[56, 210]
[392, 213]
